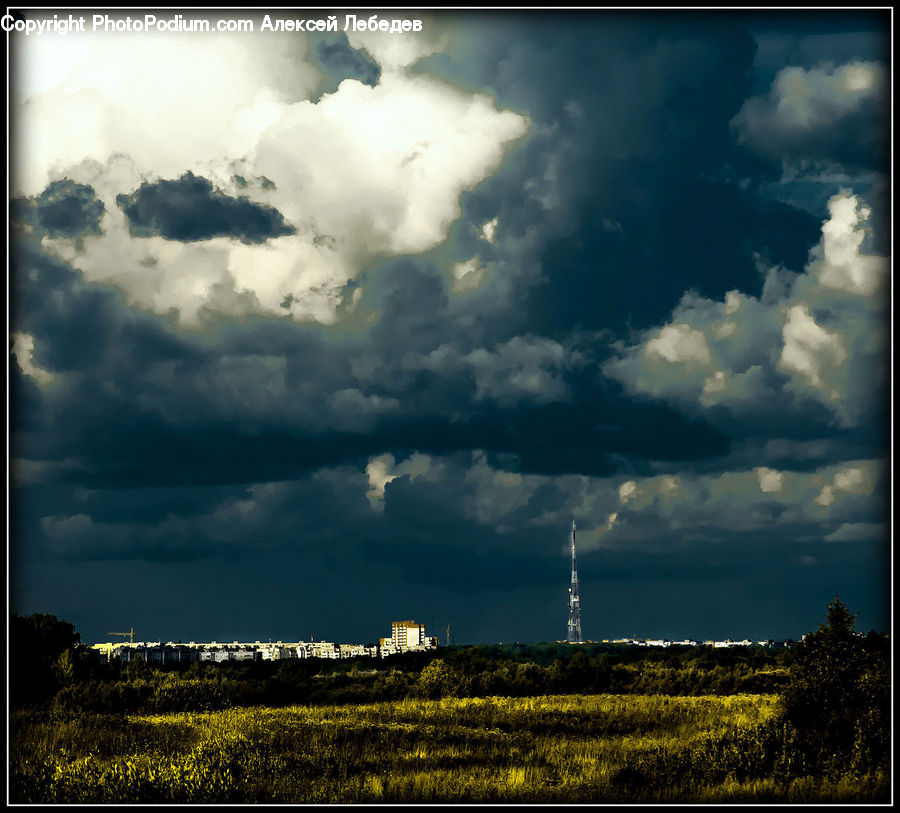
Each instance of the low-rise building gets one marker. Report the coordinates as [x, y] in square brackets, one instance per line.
[729, 643]
[230, 652]
[276, 652]
[152, 652]
[358, 651]
[386, 646]
[318, 649]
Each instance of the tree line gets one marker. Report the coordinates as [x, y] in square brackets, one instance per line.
[49, 667]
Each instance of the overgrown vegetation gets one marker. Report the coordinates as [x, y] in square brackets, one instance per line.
[548, 723]
[575, 748]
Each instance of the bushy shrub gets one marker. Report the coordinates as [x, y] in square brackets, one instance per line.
[439, 680]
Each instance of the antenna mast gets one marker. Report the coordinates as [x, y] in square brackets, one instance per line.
[574, 631]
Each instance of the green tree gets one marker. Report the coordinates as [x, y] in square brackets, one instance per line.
[36, 643]
[578, 671]
[837, 698]
[76, 664]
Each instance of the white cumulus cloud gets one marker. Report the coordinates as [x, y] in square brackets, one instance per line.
[23, 350]
[816, 335]
[383, 469]
[810, 114]
[680, 343]
[363, 174]
[770, 480]
[809, 349]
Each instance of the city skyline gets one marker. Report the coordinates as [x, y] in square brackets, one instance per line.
[316, 327]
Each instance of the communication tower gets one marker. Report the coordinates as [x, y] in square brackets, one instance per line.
[574, 631]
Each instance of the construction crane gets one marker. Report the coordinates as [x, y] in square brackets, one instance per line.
[129, 634]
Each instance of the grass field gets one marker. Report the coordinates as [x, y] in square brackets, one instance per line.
[575, 748]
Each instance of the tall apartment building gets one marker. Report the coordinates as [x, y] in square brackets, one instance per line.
[406, 635]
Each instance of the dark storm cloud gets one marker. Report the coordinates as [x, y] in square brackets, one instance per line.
[190, 208]
[270, 400]
[631, 168]
[649, 227]
[798, 96]
[186, 523]
[137, 404]
[824, 38]
[63, 209]
[69, 209]
[343, 62]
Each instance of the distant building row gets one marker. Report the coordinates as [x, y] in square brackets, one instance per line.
[406, 636]
[664, 642]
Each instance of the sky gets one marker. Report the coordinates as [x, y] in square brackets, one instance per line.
[311, 331]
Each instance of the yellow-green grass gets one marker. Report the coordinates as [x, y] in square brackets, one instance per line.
[575, 748]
